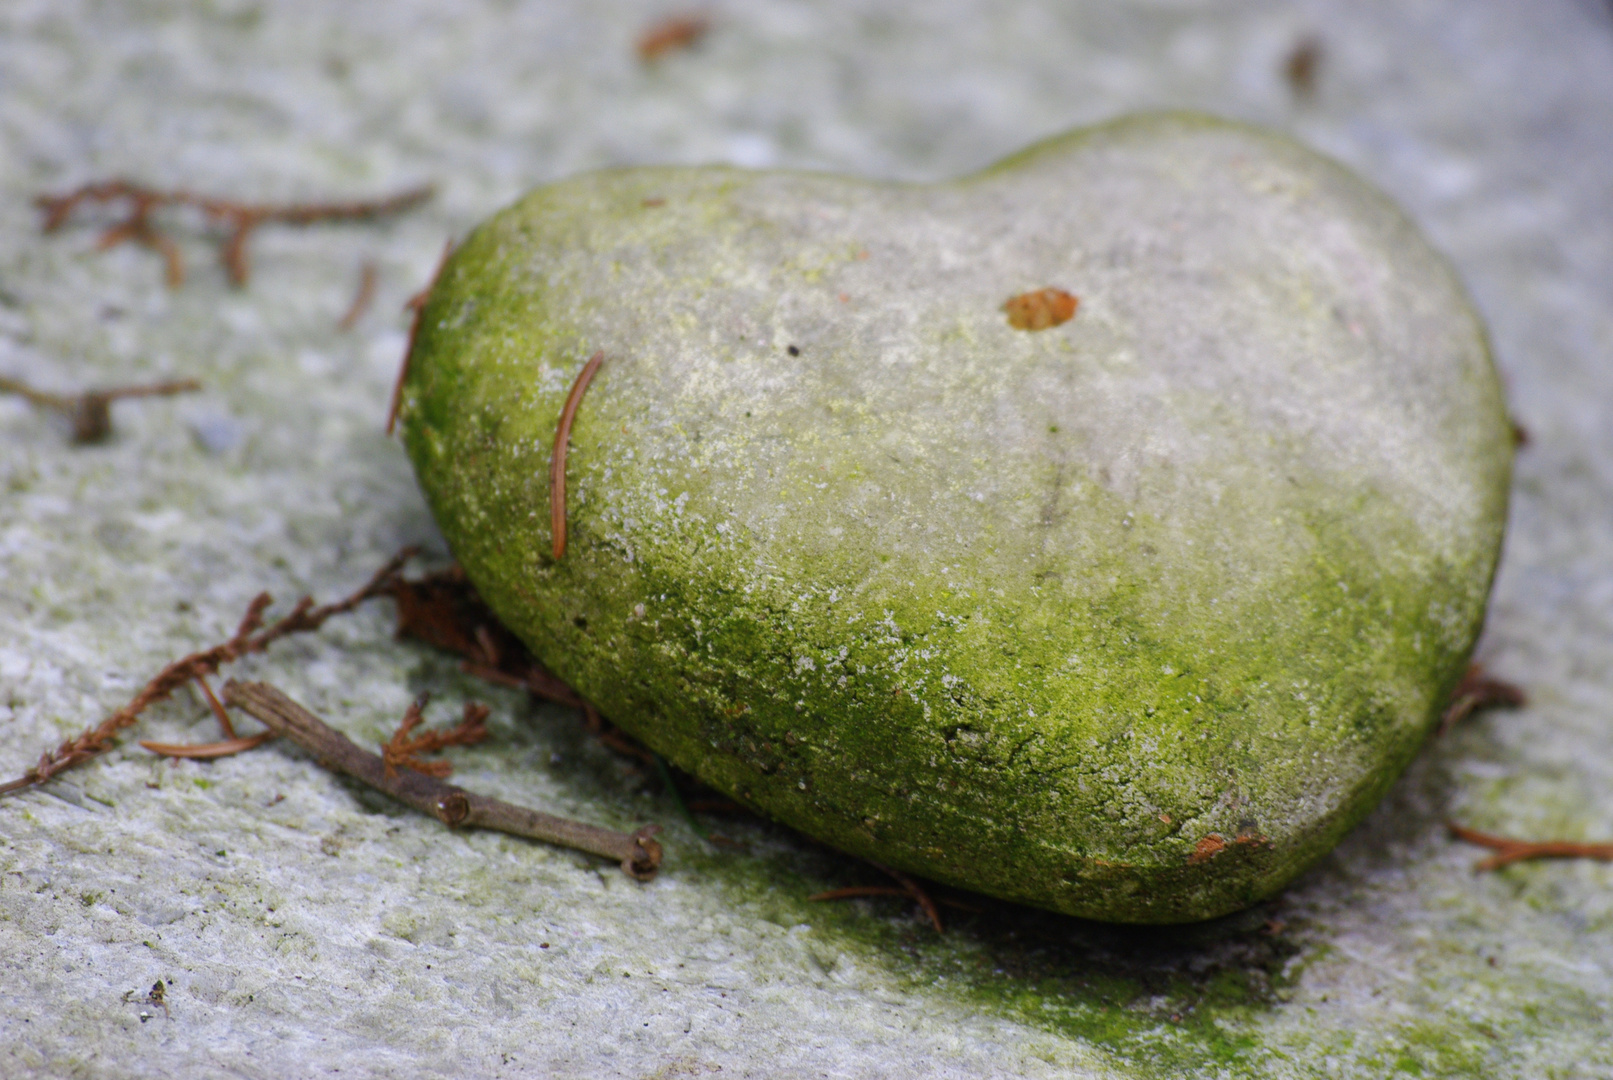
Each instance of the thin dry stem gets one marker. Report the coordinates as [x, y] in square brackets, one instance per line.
[367, 278]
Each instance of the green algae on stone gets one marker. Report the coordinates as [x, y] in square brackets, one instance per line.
[1130, 618]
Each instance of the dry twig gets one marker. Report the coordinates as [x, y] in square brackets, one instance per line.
[638, 854]
[250, 637]
[241, 218]
[90, 412]
[557, 461]
[1509, 850]
[1478, 691]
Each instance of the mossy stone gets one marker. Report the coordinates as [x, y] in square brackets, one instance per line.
[1130, 617]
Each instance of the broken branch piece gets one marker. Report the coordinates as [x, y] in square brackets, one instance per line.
[638, 854]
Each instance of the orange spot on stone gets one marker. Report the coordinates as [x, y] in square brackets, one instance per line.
[1041, 310]
[1207, 848]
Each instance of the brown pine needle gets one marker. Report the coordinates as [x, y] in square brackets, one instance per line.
[417, 305]
[855, 892]
[1508, 850]
[367, 278]
[219, 712]
[557, 462]
[918, 894]
[403, 752]
[207, 751]
[908, 888]
[250, 637]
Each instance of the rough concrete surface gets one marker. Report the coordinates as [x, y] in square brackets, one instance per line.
[330, 931]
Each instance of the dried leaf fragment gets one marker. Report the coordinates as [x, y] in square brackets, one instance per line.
[1041, 309]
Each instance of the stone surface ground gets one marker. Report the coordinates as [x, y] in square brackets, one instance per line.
[329, 930]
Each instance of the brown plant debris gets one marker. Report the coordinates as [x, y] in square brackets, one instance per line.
[416, 304]
[403, 751]
[240, 219]
[1041, 309]
[90, 412]
[557, 461]
[857, 892]
[672, 34]
[252, 636]
[1301, 65]
[909, 888]
[367, 278]
[157, 995]
[219, 712]
[638, 854]
[1509, 850]
[444, 610]
[1478, 691]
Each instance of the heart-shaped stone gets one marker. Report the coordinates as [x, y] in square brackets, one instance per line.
[1130, 614]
